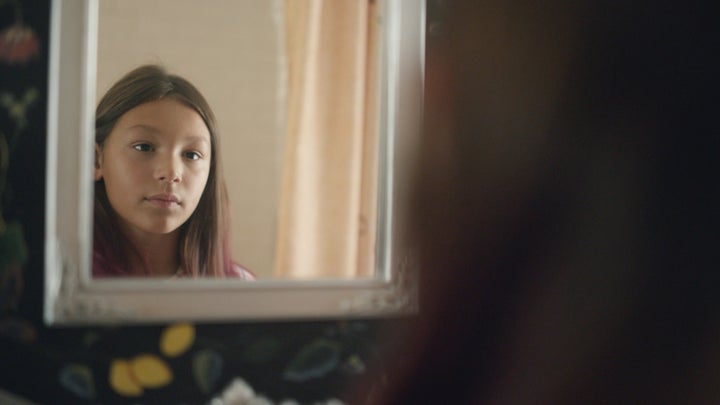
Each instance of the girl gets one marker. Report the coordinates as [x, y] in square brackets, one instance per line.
[161, 206]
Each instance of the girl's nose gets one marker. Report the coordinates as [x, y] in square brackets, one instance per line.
[169, 171]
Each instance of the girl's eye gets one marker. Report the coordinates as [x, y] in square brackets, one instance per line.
[193, 155]
[143, 147]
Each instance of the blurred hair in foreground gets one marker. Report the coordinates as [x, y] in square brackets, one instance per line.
[566, 208]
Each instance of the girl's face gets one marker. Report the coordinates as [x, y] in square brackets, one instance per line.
[155, 164]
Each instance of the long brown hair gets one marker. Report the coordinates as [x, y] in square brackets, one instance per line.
[204, 237]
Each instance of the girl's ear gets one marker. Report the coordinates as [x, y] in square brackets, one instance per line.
[97, 174]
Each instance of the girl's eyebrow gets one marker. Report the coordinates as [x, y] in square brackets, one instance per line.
[145, 128]
[154, 131]
[197, 138]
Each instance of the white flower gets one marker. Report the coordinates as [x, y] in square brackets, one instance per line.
[239, 392]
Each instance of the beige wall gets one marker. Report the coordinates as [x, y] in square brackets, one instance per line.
[231, 51]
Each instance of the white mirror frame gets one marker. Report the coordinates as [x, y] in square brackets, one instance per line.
[72, 297]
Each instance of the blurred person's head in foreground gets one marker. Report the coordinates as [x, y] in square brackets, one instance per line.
[566, 212]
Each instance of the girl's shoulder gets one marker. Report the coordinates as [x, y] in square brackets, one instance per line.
[240, 272]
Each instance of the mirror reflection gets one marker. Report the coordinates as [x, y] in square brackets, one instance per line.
[160, 203]
[295, 138]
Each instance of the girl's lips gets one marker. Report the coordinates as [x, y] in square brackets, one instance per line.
[163, 200]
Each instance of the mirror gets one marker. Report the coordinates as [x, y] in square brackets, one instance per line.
[252, 88]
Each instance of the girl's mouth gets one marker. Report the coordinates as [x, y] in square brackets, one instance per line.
[163, 200]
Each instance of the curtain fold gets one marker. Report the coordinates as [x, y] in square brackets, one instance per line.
[327, 210]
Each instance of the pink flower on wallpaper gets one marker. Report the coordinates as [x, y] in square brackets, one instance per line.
[18, 44]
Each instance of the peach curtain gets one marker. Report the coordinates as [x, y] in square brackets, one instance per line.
[327, 211]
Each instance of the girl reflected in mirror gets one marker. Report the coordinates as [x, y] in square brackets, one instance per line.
[161, 206]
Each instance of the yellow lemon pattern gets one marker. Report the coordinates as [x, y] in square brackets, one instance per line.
[150, 371]
[130, 378]
[122, 380]
[177, 339]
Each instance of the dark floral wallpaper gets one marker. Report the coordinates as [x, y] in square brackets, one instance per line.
[309, 362]
[23, 88]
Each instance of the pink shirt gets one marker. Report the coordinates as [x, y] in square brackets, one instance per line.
[101, 268]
